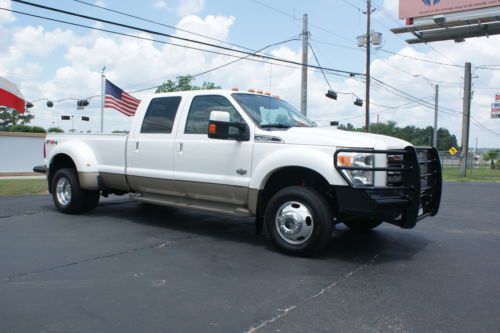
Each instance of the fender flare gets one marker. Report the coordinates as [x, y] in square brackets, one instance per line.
[84, 159]
[320, 162]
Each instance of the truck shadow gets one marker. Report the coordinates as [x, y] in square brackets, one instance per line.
[395, 244]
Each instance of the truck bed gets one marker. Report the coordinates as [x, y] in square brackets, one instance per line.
[108, 149]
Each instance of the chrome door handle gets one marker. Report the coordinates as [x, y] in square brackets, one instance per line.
[180, 146]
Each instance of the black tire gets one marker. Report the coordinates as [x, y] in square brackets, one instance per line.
[91, 200]
[363, 224]
[320, 223]
[79, 200]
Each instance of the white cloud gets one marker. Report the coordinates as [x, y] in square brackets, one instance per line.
[392, 7]
[160, 4]
[38, 42]
[190, 7]
[6, 16]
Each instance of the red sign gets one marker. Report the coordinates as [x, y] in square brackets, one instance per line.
[419, 8]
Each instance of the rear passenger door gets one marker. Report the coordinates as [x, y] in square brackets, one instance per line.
[151, 145]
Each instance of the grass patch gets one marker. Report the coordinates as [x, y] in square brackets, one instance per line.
[484, 175]
[12, 187]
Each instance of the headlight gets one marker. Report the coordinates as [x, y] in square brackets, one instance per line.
[357, 160]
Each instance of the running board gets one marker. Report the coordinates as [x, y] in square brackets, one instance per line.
[181, 202]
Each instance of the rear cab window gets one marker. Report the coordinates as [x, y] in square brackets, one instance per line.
[160, 115]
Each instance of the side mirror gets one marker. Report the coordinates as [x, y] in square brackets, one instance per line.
[219, 125]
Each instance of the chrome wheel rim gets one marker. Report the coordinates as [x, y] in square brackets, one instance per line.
[63, 191]
[294, 222]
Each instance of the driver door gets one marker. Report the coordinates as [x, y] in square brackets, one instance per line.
[211, 169]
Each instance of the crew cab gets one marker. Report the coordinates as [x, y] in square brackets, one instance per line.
[248, 154]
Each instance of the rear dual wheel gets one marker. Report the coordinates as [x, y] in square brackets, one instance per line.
[68, 196]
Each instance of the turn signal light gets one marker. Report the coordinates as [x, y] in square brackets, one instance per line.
[211, 129]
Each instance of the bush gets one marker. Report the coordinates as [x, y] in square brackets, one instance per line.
[26, 128]
[55, 130]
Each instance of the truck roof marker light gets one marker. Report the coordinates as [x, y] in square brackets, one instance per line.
[259, 92]
[276, 96]
[251, 90]
[235, 89]
[267, 93]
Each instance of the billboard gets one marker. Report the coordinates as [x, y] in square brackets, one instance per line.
[495, 110]
[419, 8]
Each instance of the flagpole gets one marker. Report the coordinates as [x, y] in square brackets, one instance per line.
[103, 78]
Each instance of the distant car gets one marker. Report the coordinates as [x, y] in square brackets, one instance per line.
[248, 154]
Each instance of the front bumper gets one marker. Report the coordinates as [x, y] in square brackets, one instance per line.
[417, 197]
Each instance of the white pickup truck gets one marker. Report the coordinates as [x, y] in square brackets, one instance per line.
[248, 154]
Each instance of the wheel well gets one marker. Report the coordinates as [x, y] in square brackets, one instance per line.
[58, 162]
[290, 176]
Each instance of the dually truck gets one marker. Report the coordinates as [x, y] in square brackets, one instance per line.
[248, 154]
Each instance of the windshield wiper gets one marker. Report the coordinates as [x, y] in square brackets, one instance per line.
[275, 126]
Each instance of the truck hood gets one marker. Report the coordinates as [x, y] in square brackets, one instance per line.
[329, 136]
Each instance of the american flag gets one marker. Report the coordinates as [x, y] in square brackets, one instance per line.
[119, 100]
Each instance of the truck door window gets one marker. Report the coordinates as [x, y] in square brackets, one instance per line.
[199, 113]
[160, 115]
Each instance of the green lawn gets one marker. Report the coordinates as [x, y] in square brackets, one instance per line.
[485, 175]
[11, 187]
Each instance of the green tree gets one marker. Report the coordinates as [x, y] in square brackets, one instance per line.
[10, 117]
[491, 154]
[184, 83]
[415, 135]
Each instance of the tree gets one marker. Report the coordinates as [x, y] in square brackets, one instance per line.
[10, 117]
[415, 135]
[184, 83]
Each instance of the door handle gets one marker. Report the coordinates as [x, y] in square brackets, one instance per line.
[180, 146]
[136, 146]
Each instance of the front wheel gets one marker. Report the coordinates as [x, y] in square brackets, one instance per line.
[299, 220]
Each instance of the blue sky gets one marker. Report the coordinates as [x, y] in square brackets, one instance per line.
[56, 61]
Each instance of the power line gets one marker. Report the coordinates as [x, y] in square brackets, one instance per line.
[226, 64]
[173, 36]
[160, 24]
[282, 12]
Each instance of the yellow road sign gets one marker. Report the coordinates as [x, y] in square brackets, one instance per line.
[452, 150]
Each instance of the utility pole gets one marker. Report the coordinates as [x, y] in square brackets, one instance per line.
[305, 51]
[466, 119]
[368, 51]
[436, 110]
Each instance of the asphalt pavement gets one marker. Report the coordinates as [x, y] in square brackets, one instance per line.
[128, 267]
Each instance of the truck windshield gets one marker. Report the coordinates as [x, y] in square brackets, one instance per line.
[269, 112]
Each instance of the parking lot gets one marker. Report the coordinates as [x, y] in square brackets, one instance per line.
[128, 267]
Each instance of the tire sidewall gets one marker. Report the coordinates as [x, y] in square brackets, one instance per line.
[321, 214]
[76, 203]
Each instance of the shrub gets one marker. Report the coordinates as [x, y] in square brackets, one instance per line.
[55, 130]
[26, 128]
